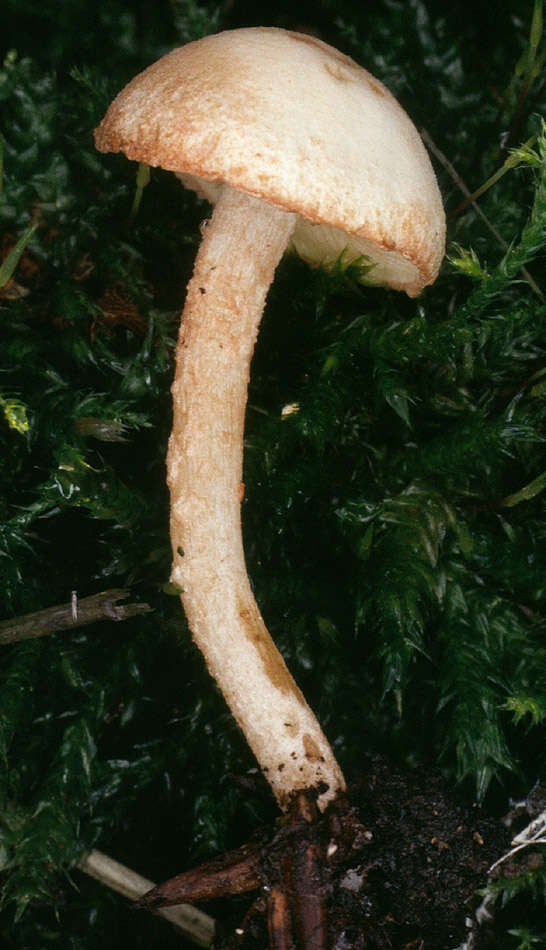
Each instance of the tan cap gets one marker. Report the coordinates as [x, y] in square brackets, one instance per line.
[286, 118]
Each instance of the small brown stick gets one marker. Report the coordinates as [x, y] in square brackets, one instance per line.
[278, 920]
[444, 160]
[195, 925]
[306, 880]
[233, 873]
[303, 880]
[78, 613]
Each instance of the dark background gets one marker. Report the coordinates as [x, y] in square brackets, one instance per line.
[406, 595]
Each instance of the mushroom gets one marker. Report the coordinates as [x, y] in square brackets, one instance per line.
[293, 143]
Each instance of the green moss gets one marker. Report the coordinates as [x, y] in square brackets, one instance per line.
[394, 516]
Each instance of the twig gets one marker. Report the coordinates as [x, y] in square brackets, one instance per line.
[77, 613]
[533, 833]
[444, 160]
[195, 925]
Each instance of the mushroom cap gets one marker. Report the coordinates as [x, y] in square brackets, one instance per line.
[288, 119]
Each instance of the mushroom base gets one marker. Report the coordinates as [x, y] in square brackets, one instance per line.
[398, 864]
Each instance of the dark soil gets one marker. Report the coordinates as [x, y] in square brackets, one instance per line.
[412, 882]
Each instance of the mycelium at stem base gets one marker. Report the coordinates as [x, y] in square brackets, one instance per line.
[242, 245]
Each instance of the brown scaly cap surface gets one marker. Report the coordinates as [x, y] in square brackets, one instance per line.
[286, 118]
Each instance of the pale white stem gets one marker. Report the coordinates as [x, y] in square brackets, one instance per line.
[242, 245]
[197, 926]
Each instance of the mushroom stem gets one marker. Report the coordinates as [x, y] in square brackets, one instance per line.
[242, 245]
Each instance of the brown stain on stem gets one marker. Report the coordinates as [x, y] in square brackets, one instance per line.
[312, 751]
[274, 665]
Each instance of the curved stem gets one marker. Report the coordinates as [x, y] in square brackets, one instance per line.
[242, 245]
